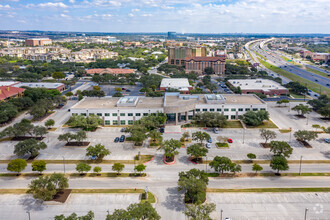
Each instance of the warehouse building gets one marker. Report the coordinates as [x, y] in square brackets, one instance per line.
[179, 108]
[181, 84]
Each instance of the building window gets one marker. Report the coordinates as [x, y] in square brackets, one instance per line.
[74, 113]
[172, 61]
[177, 62]
[198, 110]
[106, 114]
[247, 109]
[240, 109]
[218, 109]
[226, 109]
[190, 117]
[226, 116]
[262, 109]
[115, 122]
[255, 109]
[91, 114]
[122, 114]
[114, 114]
[83, 114]
[130, 114]
[138, 114]
[211, 109]
[204, 109]
[99, 114]
[145, 114]
[122, 122]
[130, 122]
[233, 110]
[233, 117]
[107, 122]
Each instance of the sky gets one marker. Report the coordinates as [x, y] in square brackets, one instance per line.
[183, 16]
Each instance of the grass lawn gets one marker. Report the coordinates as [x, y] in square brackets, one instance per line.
[310, 85]
[222, 145]
[268, 124]
[285, 130]
[285, 58]
[298, 96]
[212, 190]
[260, 55]
[316, 72]
[233, 124]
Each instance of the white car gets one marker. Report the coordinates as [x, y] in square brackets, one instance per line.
[208, 145]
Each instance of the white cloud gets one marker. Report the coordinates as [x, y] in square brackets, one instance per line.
[48, 5]
[4, 6]
[135, 10]
[72, 1]
[131, 15]
[146, 15]
[65, 16]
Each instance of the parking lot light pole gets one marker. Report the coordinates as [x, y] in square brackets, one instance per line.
[221, 214]
[300, 165]
[306, 209]
[63, 164]
[108, 212]
[205, 164]
[243, 135]
[28, 212]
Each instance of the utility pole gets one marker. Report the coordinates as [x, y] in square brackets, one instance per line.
[205, 164]
[243, 134]
[28, 212]
[221, 214]
[306, 209]
[300, 165]
[63, 164]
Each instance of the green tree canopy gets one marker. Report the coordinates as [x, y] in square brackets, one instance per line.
[170, 148]
[280, 148]
[17, 165]
[221, 164]
[302, 109]
[305, 135]
[199, 212]
[211, 119]
[83, 167]
[74, 216]
[267, 134]
[29, 146]
[197, 151]
[39, 165]
[118, 167]
[279, 163]
[200, 136]
[99, 151]
[135, 211]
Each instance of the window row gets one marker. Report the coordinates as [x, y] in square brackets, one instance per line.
[115, 122]
[116, 114]
[227, 109]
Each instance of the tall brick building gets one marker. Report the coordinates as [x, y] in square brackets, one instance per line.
[198, 64]
[38, 42]
[177, 55]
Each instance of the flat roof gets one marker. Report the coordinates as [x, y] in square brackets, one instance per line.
[175, 83]
[158, 102]
[40, 85]
[8, 83]
[256, 84]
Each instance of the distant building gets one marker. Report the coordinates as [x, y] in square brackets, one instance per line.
[171, 35]
[58, 86]
[8, 83]
[177, 55]
[7, 92]
[198, 64]
[320, 57]
[102, 71]
[263, 86]
[181, 84]
[38, 42]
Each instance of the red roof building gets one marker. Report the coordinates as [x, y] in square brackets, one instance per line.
[109, 71]
[198, 64]
[7, 92]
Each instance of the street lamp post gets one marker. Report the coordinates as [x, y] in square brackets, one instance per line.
[306, 119]
[63, 164]
[205, 164]
[300, 165]
[243, 135]
[290, 133]
[306, 209]
[108, 212]
[221, 214]
[28, 212]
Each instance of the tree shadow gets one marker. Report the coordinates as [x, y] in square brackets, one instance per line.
[31, 204]
[326, 154]
[184, 159]
[174, 201]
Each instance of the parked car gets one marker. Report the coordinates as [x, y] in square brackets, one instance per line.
[123, 129]
[208, 145]
[127, 90]
[122, 138]
[327, 140]
[210, 140]
[161, 130]
[230, 140]
[123, 89]
[116, 139]
[216, 130]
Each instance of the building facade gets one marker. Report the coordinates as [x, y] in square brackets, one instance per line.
[7, 92]
[180, 84]
[177, 55]
[58, 86]
[198, 64]
[178, 108]
[171, 35]
[38, 42]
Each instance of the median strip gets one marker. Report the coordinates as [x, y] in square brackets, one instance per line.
[265, 190]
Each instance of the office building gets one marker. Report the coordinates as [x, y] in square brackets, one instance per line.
[177, 107]
[263, 86]
[58, 86]
[7, 92]
[180, 84]
[177, 55]
[38, 42]
[198, 64]
[171, 35]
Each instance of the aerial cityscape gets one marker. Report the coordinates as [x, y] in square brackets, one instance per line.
[162, 109]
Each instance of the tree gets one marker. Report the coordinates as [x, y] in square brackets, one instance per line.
[221, 164]
[29, 146]
[39, 165]
[209, 70]
[49, 123]
[170, 148]
[39, 131]
[140, 168]
[267, 134]
[97, 170]
[235, 168]
[211, 119]
[185, 135]
[321, 102]
[83, 167]
[305, 135]
[280, 148]
[155, 135]
[255, 118]
[74, 216]
[302, 109]
[138, 137]
[251, 156]
[58, 75]
[118, 167]
[118, 94]
[17, 165]
[66, 137]
[197, 151]
[135, 211]
[85, 122]
[199, 212]
[69, 94]
[280, 102]
[80, 136]
[325, 111]
[118, 89]
[98, 151]
[200, 136]
[193, 183]
[316, 126]
[46, 187]
[256, 167]
[279, 163]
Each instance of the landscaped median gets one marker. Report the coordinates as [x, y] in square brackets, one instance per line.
[111, 175]
[265, 190]
[232, 175]
[268, 161]
[151, 196]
